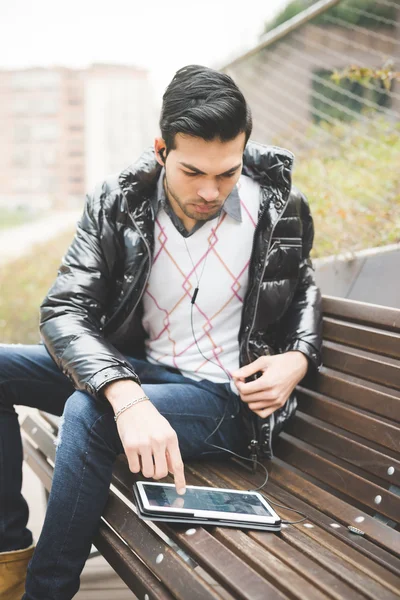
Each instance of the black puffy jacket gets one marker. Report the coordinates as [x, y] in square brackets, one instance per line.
[92, 314]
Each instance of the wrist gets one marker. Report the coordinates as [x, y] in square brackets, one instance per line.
[301, 362]
[122, 391]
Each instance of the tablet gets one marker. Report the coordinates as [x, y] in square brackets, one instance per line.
[205, 503]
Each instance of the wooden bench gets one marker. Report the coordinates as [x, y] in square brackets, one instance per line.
[338, 461]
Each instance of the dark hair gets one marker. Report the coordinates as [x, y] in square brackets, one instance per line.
[203, 103]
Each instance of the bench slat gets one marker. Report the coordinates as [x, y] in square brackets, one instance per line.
[217, 560]
[372, 315]
[372, 367]
[384, 343]
[374, 560]
[327, 468]
[336, 564]
[142, 539]
[222, 474]
[269, 564]
[131, 570]
[352, 390]
[173, 571]
[341, 444]
[380, 431]
[351, 556]
[291, 479]
[304, 564]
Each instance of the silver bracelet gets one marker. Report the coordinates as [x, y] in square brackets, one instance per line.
[131, 403]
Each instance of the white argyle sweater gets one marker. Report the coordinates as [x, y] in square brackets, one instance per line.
[225, 245]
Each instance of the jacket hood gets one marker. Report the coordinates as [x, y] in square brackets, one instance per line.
[268, 165]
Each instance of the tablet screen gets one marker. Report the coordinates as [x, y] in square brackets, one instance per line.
[206, 499]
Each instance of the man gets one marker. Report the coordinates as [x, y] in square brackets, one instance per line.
[186, 295]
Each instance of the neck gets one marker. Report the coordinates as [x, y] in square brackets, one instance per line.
[188, 223]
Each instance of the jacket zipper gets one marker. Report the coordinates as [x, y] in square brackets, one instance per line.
[253, 425]
[258, 291]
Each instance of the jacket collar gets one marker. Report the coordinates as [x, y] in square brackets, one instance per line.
[231, 205]
[270, 166]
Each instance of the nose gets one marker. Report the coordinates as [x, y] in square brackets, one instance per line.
[209, 193]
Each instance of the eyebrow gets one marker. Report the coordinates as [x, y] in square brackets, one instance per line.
[196, 170]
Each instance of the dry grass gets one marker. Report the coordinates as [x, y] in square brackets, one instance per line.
[353, 186]
[24, 283]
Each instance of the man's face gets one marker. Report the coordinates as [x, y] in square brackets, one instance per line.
[200, 175]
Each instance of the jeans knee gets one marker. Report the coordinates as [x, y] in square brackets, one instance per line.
[81, 412]
[85, 418]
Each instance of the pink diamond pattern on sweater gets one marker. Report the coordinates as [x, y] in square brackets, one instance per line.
[226, 248]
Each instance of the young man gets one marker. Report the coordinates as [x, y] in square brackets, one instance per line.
[187, 294]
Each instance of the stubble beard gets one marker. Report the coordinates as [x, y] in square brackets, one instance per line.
[197, 216]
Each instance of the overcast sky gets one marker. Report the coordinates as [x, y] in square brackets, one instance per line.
[160, 35]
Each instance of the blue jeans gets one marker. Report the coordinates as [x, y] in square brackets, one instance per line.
[88, 446]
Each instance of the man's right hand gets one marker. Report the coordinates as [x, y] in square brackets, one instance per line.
[150, 443]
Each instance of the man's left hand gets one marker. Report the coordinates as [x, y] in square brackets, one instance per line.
[280, 375]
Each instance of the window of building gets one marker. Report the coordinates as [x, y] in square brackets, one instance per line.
[35, 79]
[45, 131]
[22, 132]
[21, 158]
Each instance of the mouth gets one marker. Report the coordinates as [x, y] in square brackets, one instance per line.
[205, 208]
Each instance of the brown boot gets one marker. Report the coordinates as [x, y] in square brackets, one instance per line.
[13, 567]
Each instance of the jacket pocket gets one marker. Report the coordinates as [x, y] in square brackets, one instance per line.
[283, 259]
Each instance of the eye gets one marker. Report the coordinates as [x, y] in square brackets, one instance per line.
[228, 175]
[190, 174]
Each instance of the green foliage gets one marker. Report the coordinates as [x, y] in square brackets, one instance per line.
[24, 284]
[363, 13]
[364, 75]
[330, 99]
[290, 11]
[351, 177]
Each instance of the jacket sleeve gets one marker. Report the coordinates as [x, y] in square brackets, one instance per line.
[70, 315]
[302, 322]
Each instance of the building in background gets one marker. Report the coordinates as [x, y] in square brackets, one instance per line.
[287, 79]
[63, 130]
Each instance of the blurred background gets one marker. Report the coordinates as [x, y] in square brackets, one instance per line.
[80, 93]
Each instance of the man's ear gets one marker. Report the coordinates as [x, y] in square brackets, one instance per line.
[160, 151]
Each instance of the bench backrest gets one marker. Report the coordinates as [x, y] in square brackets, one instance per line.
[346, 432]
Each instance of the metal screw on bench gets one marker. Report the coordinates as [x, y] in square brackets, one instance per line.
[355, 530]
[390, 471]
[359, 519]
[190, 532]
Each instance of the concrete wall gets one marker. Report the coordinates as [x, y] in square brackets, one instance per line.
[368, 276]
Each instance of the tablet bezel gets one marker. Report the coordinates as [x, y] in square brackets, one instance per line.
[274, 519]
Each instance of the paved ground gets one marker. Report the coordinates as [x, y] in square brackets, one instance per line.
[17, 241]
